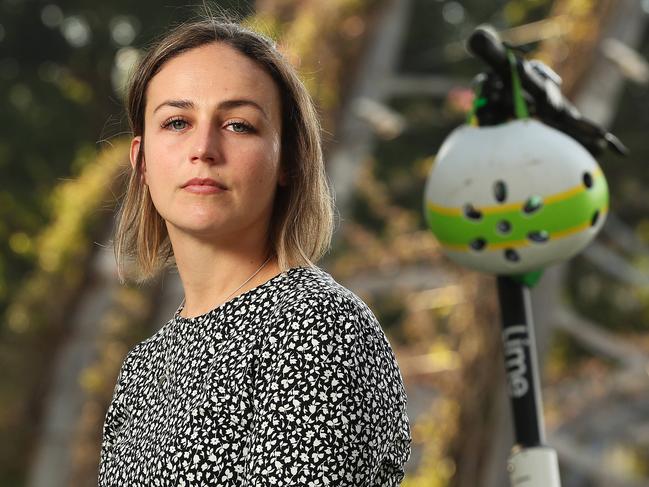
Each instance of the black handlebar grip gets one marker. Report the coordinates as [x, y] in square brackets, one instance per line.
[484, 43]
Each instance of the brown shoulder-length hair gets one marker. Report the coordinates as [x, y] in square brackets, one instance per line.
[302, 221]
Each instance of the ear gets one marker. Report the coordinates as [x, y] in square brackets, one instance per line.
[135, 150]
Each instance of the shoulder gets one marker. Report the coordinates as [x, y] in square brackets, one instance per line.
[315, 305]
[138, 358]
[312, 302]
[313, 287]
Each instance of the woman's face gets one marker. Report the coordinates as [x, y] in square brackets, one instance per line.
[212, 112]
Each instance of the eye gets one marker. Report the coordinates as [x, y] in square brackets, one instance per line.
[176, 124]
[240, 127]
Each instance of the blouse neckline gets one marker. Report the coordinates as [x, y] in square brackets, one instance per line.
[272, 281]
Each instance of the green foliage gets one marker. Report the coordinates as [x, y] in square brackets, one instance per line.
[35, 321]
[58, 93]
[64, 245]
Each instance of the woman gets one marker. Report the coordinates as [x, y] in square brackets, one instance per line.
[270, 372]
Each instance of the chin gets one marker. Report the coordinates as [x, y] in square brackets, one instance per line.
[198, 226]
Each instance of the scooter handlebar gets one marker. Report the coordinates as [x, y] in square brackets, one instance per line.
[484, 43]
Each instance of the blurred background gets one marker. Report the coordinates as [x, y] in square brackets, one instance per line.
[391, 79]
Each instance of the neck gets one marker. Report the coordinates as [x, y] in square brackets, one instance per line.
[211, 273]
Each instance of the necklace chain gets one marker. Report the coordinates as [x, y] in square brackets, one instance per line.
[245, 282]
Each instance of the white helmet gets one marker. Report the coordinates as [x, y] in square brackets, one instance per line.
[514, 198]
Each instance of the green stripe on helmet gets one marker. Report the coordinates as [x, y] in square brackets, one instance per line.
[558, 218]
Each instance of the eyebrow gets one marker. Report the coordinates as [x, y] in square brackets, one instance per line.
[224, 105]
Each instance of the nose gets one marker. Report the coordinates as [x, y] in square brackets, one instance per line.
[204, 145]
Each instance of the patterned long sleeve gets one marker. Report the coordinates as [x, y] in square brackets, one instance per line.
[333, 407]
[117, 419]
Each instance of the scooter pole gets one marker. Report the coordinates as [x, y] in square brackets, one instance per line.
[531, 463]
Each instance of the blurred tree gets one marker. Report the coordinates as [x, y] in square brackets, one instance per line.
[59, 85]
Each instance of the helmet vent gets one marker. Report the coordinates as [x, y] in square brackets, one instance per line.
[594, 219]
[500, 191]
[503, 226]
[588, 180]
[478, 243]
[540, 236]
[471, 213]
[511, 255]
[533, 204]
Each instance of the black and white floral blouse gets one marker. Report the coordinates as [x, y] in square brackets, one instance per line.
[292, 383]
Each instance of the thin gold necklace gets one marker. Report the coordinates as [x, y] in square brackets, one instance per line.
[246, 281]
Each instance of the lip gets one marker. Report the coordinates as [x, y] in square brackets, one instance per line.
[204, 185]
[203, 189]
